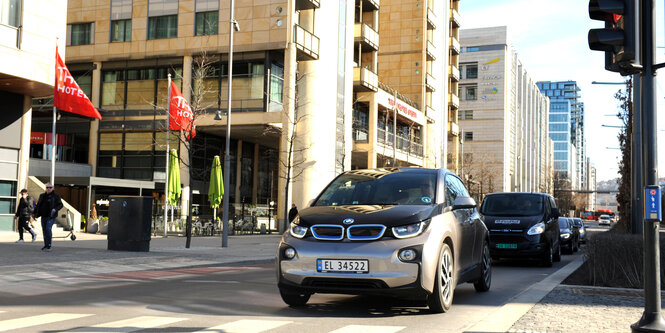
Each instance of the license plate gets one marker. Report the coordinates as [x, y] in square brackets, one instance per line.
[506, 246]
[342, 266]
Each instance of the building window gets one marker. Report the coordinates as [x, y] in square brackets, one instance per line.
[206, 23]
[468, 136]
[471, 72]
[561, 156]
[558, 127]
[466, 115]
[470, 93]
[276, 83]
[559, 136]
[10, 12]
[561, 146]
[121, 30]
[80, 33]
[163, 27]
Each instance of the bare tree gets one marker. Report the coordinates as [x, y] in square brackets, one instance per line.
[480, 174]
[562, 192]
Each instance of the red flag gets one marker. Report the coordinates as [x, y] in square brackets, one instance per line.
[67, 94]
[182, 117]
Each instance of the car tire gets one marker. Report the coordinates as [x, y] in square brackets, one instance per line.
[485, 280]
[557, 254]
[444, 284]
[294, 299]
[548, 257]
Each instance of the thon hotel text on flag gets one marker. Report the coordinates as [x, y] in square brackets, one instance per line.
[68, 96]
[181, 117]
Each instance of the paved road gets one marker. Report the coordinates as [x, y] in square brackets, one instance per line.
[227, 298]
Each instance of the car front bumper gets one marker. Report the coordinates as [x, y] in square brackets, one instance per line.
[526, 246]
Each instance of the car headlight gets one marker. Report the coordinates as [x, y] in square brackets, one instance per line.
[409, 230]
[582, 231]
[565, 236]
[296, 230]
[537, 229]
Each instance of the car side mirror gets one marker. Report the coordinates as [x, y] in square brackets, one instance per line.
[555, 212]
[463, 203]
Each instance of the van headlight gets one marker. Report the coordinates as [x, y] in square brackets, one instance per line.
[537, 229]
[296, 230]
[410, 230]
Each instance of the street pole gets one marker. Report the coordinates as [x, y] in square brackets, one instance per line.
[227, 155]
[636, 153]
[652, 319]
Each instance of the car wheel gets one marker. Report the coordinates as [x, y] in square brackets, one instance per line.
[548, 258]
[485, 280]
[557, 253]
[444, 285]
[294, 299]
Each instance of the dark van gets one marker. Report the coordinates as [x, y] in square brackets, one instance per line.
[522, 225]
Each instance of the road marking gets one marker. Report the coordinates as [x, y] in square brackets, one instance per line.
[18, 323]
[129, 325]
[368, 329]
[246, 326]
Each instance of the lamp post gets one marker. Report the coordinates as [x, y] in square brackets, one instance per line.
[233, 26]
[272, 203]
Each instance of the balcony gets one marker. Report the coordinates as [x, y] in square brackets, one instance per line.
[455, 46]
[431, 18]
[431, 51]
[453, 129]
[365, 80]
[403, 144]
[430, 82]
[370, 5]
[453, 101]
[307, 4]
[360, 135]
[455, 18]
[306, 43]
[366, 36]
[453, 72]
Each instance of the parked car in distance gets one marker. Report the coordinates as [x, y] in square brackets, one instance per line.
[604, 220]
[579, 224]
[406, 232]
[522, 225]
[570, 236]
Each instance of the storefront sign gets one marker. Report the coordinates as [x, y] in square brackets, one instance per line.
[41, 138]
[407, 111]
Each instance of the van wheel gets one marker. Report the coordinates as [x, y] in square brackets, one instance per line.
[294, 299]
[548, 258]
[557, 254]
[444, 284]
[485, 280]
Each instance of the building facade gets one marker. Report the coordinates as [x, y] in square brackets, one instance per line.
[309, 101]
[570, 91]
[29, 31]
[503, 117]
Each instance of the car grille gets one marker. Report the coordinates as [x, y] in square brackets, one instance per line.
[332, 283]
[364, 232]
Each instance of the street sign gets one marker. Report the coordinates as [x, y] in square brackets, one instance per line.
[652, 204]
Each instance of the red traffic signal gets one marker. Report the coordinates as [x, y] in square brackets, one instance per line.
[620, 36]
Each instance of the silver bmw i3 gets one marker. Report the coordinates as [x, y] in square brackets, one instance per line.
[405, 232]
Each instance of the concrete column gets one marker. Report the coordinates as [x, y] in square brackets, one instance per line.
[24, 151]
[284, 196]
[184, 145]
[238, 172]
[187, 77]
[93, 133]
[373, 126]
[255, 175]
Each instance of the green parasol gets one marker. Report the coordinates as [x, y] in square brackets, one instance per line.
[174, 178]
[216, 187]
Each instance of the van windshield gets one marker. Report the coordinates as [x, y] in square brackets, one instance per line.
[380, 188]
[513, 204]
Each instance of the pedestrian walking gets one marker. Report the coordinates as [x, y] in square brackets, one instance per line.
[293, 212]
[24, 211]
[48, 205]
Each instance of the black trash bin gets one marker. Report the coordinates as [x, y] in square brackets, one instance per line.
[129, 225]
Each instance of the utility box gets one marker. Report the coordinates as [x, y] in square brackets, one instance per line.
[129, 226]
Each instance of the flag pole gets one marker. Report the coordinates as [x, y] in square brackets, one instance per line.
[53, 143]
[168, 133]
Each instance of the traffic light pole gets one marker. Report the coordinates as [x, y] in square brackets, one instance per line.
[652, 319]
[637, 183]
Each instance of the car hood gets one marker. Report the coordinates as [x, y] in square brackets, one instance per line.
[388, 215]
[511, 222]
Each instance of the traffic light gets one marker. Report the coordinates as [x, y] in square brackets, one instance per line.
[620, 37]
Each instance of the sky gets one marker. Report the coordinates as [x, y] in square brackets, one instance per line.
[550, 38]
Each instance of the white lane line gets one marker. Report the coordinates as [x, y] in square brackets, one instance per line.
[129, 325]
[368, 329]
[246, 326]
[18, 323]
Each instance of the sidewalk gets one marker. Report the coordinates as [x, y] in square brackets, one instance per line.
[547, 306]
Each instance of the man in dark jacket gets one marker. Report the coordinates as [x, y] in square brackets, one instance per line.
[48, 205]
[24, 211]
[293, 212]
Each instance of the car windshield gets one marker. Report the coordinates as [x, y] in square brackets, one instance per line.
[605, 217]
[563, 223]
[577, 222]
[380, 187]
[513, 204]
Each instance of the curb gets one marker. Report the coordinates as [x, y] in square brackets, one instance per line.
[503, 319]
